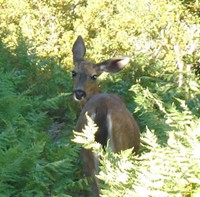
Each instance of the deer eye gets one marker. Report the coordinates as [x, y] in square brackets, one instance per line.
[74, 73]
[94, 77]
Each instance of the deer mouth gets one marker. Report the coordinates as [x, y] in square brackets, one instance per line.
[79, 95]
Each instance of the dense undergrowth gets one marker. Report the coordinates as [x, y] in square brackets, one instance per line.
[160, 87]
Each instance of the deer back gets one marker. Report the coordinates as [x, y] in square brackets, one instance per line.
[114, 122]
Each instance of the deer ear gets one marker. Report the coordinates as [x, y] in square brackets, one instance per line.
[78, 49]
[113, 65]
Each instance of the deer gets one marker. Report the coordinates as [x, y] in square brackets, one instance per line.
[115, 122]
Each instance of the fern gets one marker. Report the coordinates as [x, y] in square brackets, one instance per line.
[163, 170]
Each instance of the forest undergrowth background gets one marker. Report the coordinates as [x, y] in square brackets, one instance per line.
[160, 87]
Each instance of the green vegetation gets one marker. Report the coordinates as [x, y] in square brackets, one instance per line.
[161, 87]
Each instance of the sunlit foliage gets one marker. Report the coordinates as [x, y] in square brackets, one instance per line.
[160, 87]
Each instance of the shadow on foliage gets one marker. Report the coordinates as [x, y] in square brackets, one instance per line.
[44, 124]
[39, 77]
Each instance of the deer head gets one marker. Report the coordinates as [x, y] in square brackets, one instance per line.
[85, 73]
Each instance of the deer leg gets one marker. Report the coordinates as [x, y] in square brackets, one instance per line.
[90, 169]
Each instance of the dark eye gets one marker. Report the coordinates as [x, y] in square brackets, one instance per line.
[74, 73]
[94, 77]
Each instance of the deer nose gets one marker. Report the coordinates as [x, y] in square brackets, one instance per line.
[79, 94]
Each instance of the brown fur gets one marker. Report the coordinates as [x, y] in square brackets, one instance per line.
[125, 130]
[109, 112]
